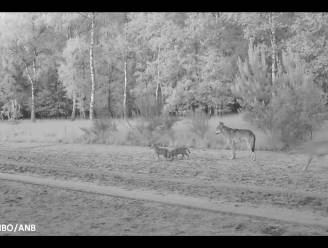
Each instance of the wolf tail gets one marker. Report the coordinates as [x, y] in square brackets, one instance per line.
[253, 143]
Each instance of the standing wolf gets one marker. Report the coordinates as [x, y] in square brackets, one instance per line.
[233, 135]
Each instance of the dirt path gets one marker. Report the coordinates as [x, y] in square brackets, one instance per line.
[57, 211]
[272, 190]
[303, 217]
[228, 192]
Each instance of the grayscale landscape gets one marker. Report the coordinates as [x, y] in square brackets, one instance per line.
[163, 124]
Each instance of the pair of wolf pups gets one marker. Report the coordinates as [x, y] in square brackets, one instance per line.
[313, 149]
[170, 153]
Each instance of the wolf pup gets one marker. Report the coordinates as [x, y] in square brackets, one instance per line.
[160, 151]
[179, 150]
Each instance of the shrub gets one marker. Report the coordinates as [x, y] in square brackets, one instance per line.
[101, 131]
[156, 129]
[297, 112]
[288, 110]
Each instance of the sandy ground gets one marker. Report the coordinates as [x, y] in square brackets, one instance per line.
[275, 180]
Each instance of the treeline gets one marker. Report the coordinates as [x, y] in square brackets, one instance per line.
[63, 65]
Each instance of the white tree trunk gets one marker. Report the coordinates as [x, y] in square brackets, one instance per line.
[33, 86]
[33, 102]
[125, 90]
[92, 70]
[32, 92]
[125, 108]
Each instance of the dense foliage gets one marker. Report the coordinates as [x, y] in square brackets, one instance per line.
[149, 63]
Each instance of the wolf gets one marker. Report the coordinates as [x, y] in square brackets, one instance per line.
[160, 151]
[179, 150]
[233, 135]
[315, 149]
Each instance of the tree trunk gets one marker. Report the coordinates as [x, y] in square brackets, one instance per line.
[159, 97]
[32, 103]
[33, 86]
[108, 92]
[92, 70]
[32, 91]
[74, 107]
[125, 108]
[82, 109]
[125, 90]
[274, 48]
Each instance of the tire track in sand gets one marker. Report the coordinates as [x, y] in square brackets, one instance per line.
[285, 215]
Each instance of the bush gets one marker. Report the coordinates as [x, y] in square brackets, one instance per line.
[139, 134]
[101, 131]
[158, 129]
[288, 110]
[297, 113]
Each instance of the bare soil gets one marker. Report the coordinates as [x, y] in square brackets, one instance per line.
[274, 182]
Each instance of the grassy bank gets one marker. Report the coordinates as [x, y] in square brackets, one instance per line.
[184, 133]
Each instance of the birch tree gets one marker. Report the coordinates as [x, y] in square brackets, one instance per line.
[92, 69]
[73, 72]
[29, 41]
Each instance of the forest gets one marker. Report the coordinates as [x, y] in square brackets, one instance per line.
[270, 65]
[164, 123]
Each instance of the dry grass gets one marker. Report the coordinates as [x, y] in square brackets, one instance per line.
[66, 131]
[183, 134]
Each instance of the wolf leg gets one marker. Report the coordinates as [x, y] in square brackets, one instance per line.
[250, 147]
[233, 150]
[253, 156]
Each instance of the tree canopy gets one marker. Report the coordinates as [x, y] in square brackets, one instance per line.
[56, 65]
